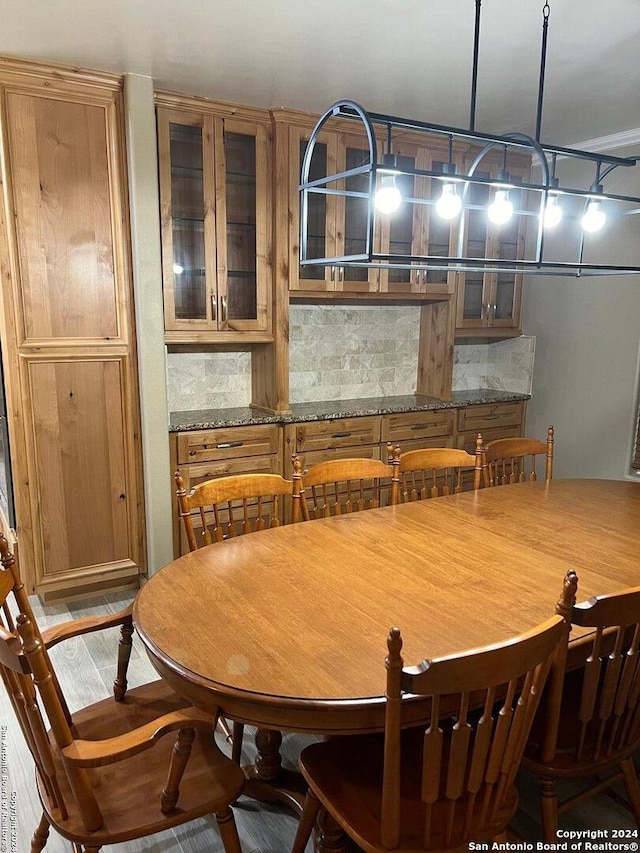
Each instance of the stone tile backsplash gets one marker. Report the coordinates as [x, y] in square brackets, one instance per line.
[343, 352]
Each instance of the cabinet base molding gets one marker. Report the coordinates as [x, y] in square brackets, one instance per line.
[92, 589]
[109, 574]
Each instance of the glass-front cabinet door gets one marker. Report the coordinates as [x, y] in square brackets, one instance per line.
[352, 217]
[215, 225]
[417, 229]
[321, 213]
[492, 301]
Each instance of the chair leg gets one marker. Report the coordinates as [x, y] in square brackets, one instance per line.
[40, 836]
[549, 810]
[632, 787]
[307, 822]
[236, 748]
[124, 654]
[228, 831]
[179, 758]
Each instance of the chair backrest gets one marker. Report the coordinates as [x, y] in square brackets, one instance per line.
[26, 670]
[231, 506]
[339, 486]
[487, 699]
[603, 698]
[434, 471]
[513, 460]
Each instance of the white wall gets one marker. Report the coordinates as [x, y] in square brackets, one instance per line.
[147, 285]
[585, 376]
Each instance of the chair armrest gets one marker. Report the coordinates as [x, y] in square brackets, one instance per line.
[76, 627]
[92, 753]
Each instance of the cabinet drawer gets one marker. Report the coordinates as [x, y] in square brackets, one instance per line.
[467, 440]
[420, 444]
[343, 432]
[312, 457]
[412, 426]
[194, 474]
[227, 443]
[481, 418]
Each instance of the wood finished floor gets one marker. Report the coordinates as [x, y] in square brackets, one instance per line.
[86, 668]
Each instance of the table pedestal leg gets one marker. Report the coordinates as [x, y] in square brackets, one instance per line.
[329, 837]
[267, 780]
[268, 760]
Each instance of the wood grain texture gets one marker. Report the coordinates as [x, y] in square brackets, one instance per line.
[435, 568]
[65, 237]
[68, 311]
[79, 441]
[262, 828]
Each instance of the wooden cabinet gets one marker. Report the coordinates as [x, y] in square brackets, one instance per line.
[201, 455]
[67, 332]
[490, 303]
[341, 438]
[215, 173]
[337, 224]
[493, 420]
[204, 454]
[413, 430]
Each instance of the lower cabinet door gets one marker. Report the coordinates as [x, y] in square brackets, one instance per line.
[84, 468]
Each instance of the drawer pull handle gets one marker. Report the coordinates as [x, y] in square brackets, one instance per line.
[341, 435]
[228, 444]
[492, 417]
[422, 426]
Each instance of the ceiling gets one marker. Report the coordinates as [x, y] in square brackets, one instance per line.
[409, 58]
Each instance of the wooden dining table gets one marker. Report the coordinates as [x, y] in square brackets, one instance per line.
[286, 629]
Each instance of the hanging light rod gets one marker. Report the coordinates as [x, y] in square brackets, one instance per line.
[580, 212]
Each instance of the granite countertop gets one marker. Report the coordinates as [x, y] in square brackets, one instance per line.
[327, 410]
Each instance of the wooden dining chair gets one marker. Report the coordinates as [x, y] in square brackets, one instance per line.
[230, 506]
[450, 781]
[513, 460]
[226, 507]
[117, 770]
[339, 486]
[588, 727]
[431, 472]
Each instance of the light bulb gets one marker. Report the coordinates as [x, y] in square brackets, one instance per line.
[449, 204]
[178, 269]
[594, 218]
[501, 210]
[388, 196]
[552, 212]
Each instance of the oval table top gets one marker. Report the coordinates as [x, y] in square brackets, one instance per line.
[287, 627]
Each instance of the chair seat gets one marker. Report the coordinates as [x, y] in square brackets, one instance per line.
[347, 773]
[128, 792]
[564, 763]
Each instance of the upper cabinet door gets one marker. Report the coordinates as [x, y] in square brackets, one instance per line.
[490, 303]
[216, 225]
[353, 215]
[65, 238]
[321, 214]
[243, 225]
[415, 228]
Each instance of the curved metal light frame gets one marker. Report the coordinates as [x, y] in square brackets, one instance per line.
[348, 109]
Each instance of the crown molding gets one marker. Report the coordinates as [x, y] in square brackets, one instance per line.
[607, 143]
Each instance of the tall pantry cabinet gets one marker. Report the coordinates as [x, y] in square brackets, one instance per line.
[67, 324]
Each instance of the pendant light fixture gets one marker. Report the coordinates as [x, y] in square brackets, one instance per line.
[540, 204]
